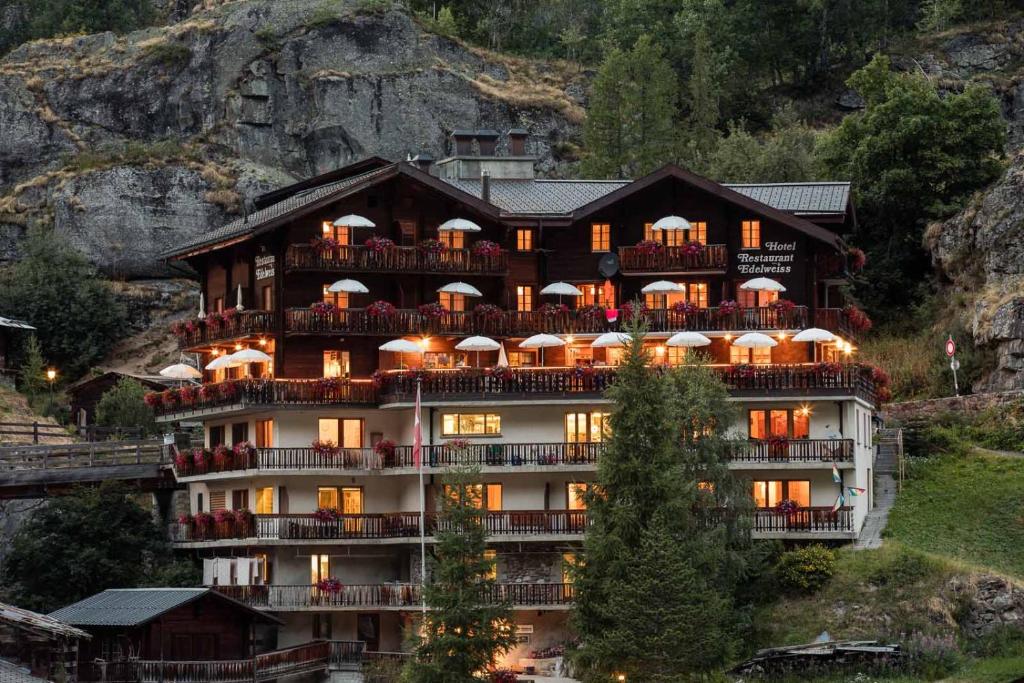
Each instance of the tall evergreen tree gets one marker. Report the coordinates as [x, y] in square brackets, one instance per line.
[702, 123]
[630, 124]
[465, 629]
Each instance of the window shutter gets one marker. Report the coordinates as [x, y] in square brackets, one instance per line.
[218, 500]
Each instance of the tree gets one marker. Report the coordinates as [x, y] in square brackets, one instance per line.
[49, 18]
[702, 122]
[630, 125]
[783, 155]
[122, 407]
[32, 375]
[76, 315]
[913, 156]
[465, 628]
[81, 544]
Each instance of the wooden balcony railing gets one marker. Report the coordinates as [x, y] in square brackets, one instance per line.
[525, 323]
[792, 450]
[834, 320]
[346, 653]
[375, 526]
[822, 519]
[247, 392]
[356, 258]
[673, 259]
[236, 324]
[387, 595]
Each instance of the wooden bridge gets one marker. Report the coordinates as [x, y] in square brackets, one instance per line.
[34, 471]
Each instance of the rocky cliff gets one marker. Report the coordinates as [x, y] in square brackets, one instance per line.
[129, 144]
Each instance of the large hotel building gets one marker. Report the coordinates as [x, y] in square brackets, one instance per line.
[305, 501]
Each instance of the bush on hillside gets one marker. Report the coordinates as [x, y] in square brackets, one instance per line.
[905, 569]
[124, 408]
[806, 569]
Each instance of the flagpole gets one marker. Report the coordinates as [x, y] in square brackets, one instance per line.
[418, 448]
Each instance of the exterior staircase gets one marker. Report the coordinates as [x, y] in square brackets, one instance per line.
[888, 479]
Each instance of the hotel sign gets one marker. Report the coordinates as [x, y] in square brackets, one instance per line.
[264, 267]
[776, 258]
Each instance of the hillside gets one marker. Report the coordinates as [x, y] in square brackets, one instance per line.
[129, 144]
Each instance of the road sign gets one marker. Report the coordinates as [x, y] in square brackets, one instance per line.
[954, 365]
[950, 347]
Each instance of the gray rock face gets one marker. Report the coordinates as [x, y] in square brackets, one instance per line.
[991, 602]
[293, 88]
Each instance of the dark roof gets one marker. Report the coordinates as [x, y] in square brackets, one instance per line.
[150, 381]
[532, 197]
[34, 621]
[136, 606]
[355, 168]
[799, 198]
[17, 324]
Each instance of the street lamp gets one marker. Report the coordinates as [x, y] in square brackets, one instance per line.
[51, 375]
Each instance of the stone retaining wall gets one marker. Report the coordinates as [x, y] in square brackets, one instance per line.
[895, 413]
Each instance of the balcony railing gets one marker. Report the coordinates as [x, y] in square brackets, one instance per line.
[248, 392]
[809, 519]
[792, 450]
[233, 325]
[673, 259]
[388, 595]
[355, 258]
[525, 323]
[375, 526]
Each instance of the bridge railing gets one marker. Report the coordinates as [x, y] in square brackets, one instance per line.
[90, 454]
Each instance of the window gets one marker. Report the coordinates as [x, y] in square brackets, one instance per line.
[453, 239]
[491, 557]
[262, 568]
[484, 496]
[218, 500]
[677, 238]
[524, 239]
[577, 355]
[240, 499]
[337, 364]
[649, 232]
[345, 432]
[751, 234]
[340, 233]
[199, 502]
[568, 564]
[697, 293]
[750, 299]
[339, 299]
[524, 298]
[264, 433]
[780, 422]
[739, 355]
[319, 567]
[347, 499]
[574, 492]
[522, 359]
[216, 436]
[218, 304]
[586, 427]
[470, 424]
[600, 237]
[267, 297]
[762, 356]
[265, 500]
[676, 355]
[239, 432]
[699, 232]
[768, 494]
[453, 302]
[596, 294]
[694, 292]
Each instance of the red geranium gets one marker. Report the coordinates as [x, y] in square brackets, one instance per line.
[857, 259]
[380, 309]
[323, 244]
[331, 585]
[552, 309]
[685, 307]
[324, 449]
[501, 372]
[385, 448]
[433, 247]
[323, 308]
[486, 249]
[728, 307]
[170, 398]
[630, 310]
[326, 515]
[187, 394]
[378, 244]
[590, 312]
[649, 247]
[858, 319]
[693, 248]
[152, 399]
[432, 310]
[229, 391]
[487, 311]
[223, 516]
[379, 377]
[782, 306]
[222, 457]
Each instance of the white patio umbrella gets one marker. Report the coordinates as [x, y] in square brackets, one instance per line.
[349, 286]
[202, 306]
[354, 221]
[663, 287]
[460, 225]
[250, 356]
[541, 341]
[222, 363]
[502, 357]
[478, 344]
[610, 340]
[763, 284]
[561, 289]
[401, 346]
[688, 340]
[181, 371]
[755, 340]
[461, 288]
[814, 334]
[671, 223]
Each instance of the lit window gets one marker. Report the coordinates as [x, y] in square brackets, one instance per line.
[739, 355]
[768, 494]
[263, 568]
[524, 239]
[674, 238]
[656, 301]
[801, 424]
[676, 355]
[340, 233]
[751, 234]
[453, 239]
[319, 567]
[522, 359]
[491, 557]
[762, 356]
[337, 364]
[483, 496]
[587, 427]
[265, 500]
[600, 237]
[575, 492]
[345, 432]
[780, 422]
[470, 424]
[596, 294]
[524, 298]
[699, 232]
[453, 302]
[327, 497]
[568, 564]
[649, 231]
[697, 294]
[339, 299]
[264, 433]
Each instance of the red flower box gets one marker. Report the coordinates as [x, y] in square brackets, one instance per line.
[728, 307]
[378, 245]
[432, 310]
[649, 247]
[380, 309]
[486, 249]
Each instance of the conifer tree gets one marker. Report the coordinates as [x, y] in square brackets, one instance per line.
[704, 93]
[465, 628]
[32, 375]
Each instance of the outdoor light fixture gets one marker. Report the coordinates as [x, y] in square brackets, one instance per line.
[263, 342]
[728, 337]
[238, 347]
[805, 410]
[51, 374]
[782, 336]
[660, 350]
[425, 342]
[569, 339]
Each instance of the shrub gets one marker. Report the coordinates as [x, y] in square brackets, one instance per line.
[905, 569]
[806, 569]
[124, 407]
[168, 54]
[932, 657]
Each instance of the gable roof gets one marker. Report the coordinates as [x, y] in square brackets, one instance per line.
[137, 606]
[355, 168]
[536, 196]
[717, 190]
[155, 382]
[799, 198]
[34, 621]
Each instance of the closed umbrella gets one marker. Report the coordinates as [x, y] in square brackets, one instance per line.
[238, 299]
[541, 341]
[478, 344]
[663, 287]
[354, 221]
[181, 371]
[202, 306]
[561, 289]
[762, 284]
[460, 288]
[502, 357]
[460, 225]
[688, 340]
[610, 340]
[755, 340]
[349, 286]
[401, 346]
[671, 223]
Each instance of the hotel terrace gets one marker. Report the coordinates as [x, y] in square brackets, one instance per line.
[308, 473]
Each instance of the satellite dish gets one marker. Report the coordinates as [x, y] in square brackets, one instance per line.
[608, 265]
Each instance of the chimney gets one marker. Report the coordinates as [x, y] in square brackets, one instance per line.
[463, 140]
[488, 141]
[485, 186]
[517, 142]
[423, 161]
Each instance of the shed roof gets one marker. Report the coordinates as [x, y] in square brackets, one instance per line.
[136, 606]
[24, 618]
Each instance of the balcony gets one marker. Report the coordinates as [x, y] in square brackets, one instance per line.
[577, 455]
[218, 327]
[358, 258]
[755, 453]
[639, 261]
[401, 526]
[241, 393]
[352, 321]
[388, 596]
[807, 522]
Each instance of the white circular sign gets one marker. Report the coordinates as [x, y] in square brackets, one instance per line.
[950, 347]
[954, 364]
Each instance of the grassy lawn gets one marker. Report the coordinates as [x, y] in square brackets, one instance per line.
[967, 507]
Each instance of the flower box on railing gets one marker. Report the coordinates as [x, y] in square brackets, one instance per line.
[381, 254]
[651, 256]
